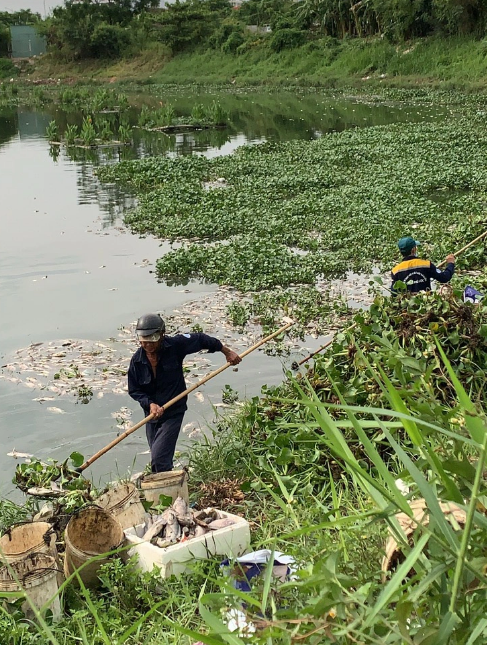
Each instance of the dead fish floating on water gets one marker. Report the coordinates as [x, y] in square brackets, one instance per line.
[19, 455]
[56, 410]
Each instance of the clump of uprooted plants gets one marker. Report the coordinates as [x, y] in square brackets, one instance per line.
[397, 338]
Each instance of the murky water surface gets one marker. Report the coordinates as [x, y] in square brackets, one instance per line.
[69, 270]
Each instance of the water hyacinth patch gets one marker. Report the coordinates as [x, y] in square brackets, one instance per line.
[317, 208]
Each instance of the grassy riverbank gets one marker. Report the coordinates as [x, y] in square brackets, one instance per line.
[318, 482]
[454, 63]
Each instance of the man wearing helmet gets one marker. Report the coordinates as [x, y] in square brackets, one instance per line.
[156, 375]
[415, 273]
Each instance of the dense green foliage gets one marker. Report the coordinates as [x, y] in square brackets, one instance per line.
[7, 69]
[119, 28]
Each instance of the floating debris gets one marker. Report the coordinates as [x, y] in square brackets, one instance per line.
[19, 455]
[56, 410]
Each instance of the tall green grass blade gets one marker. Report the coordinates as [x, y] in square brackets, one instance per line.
[93, 610]
[396, 581]
[479, 630]
[397, 402]
[425, 583]
[344, 522]
[468, 526]
[382, 469]
[474, 422]
[218, 627]
[267, 582]
[204, 638]
[396, 415]
[133, 628]
[446, 628]
[285, 507]
[336, 508]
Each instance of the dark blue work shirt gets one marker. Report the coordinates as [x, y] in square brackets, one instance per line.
[417, 274]
[146, 388]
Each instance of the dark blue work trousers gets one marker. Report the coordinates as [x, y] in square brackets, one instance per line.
[162, 436]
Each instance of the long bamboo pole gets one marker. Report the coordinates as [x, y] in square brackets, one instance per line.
[467, 246]
[177, 398]
[296, 364]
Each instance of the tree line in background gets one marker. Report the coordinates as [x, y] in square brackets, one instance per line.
[88, 29]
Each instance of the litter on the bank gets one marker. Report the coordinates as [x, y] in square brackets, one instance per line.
[472, 295]
[244, 568]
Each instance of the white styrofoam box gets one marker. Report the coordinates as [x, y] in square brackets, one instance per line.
[231, 541]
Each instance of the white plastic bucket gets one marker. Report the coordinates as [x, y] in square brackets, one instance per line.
[173, 483]
[24, 539]
[123, 501]
[37, 575]
[92, 532]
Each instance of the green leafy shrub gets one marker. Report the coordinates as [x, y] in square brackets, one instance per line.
[88, 131]
[8, 69]
[109, 41]
[233, 42]
[217, 115]
[287, 39]
[71, 134]
[52, 132]
[198, 113]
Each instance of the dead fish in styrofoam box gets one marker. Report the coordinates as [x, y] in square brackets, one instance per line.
[173, 528]
[205, 517]
[220, 523]
[183, 514]
[163, 543]
[200, 530]
[19, 455]
[199, 397]
[155, 529]
[56, 410]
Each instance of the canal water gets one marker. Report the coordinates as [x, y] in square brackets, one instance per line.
[70, 271]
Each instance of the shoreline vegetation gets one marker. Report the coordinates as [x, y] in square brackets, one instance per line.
[393, 412]
[455, 63]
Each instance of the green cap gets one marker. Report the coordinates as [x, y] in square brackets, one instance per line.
[407, 244]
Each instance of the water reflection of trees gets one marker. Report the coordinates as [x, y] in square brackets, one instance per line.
[8, 125]
[112, 199]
